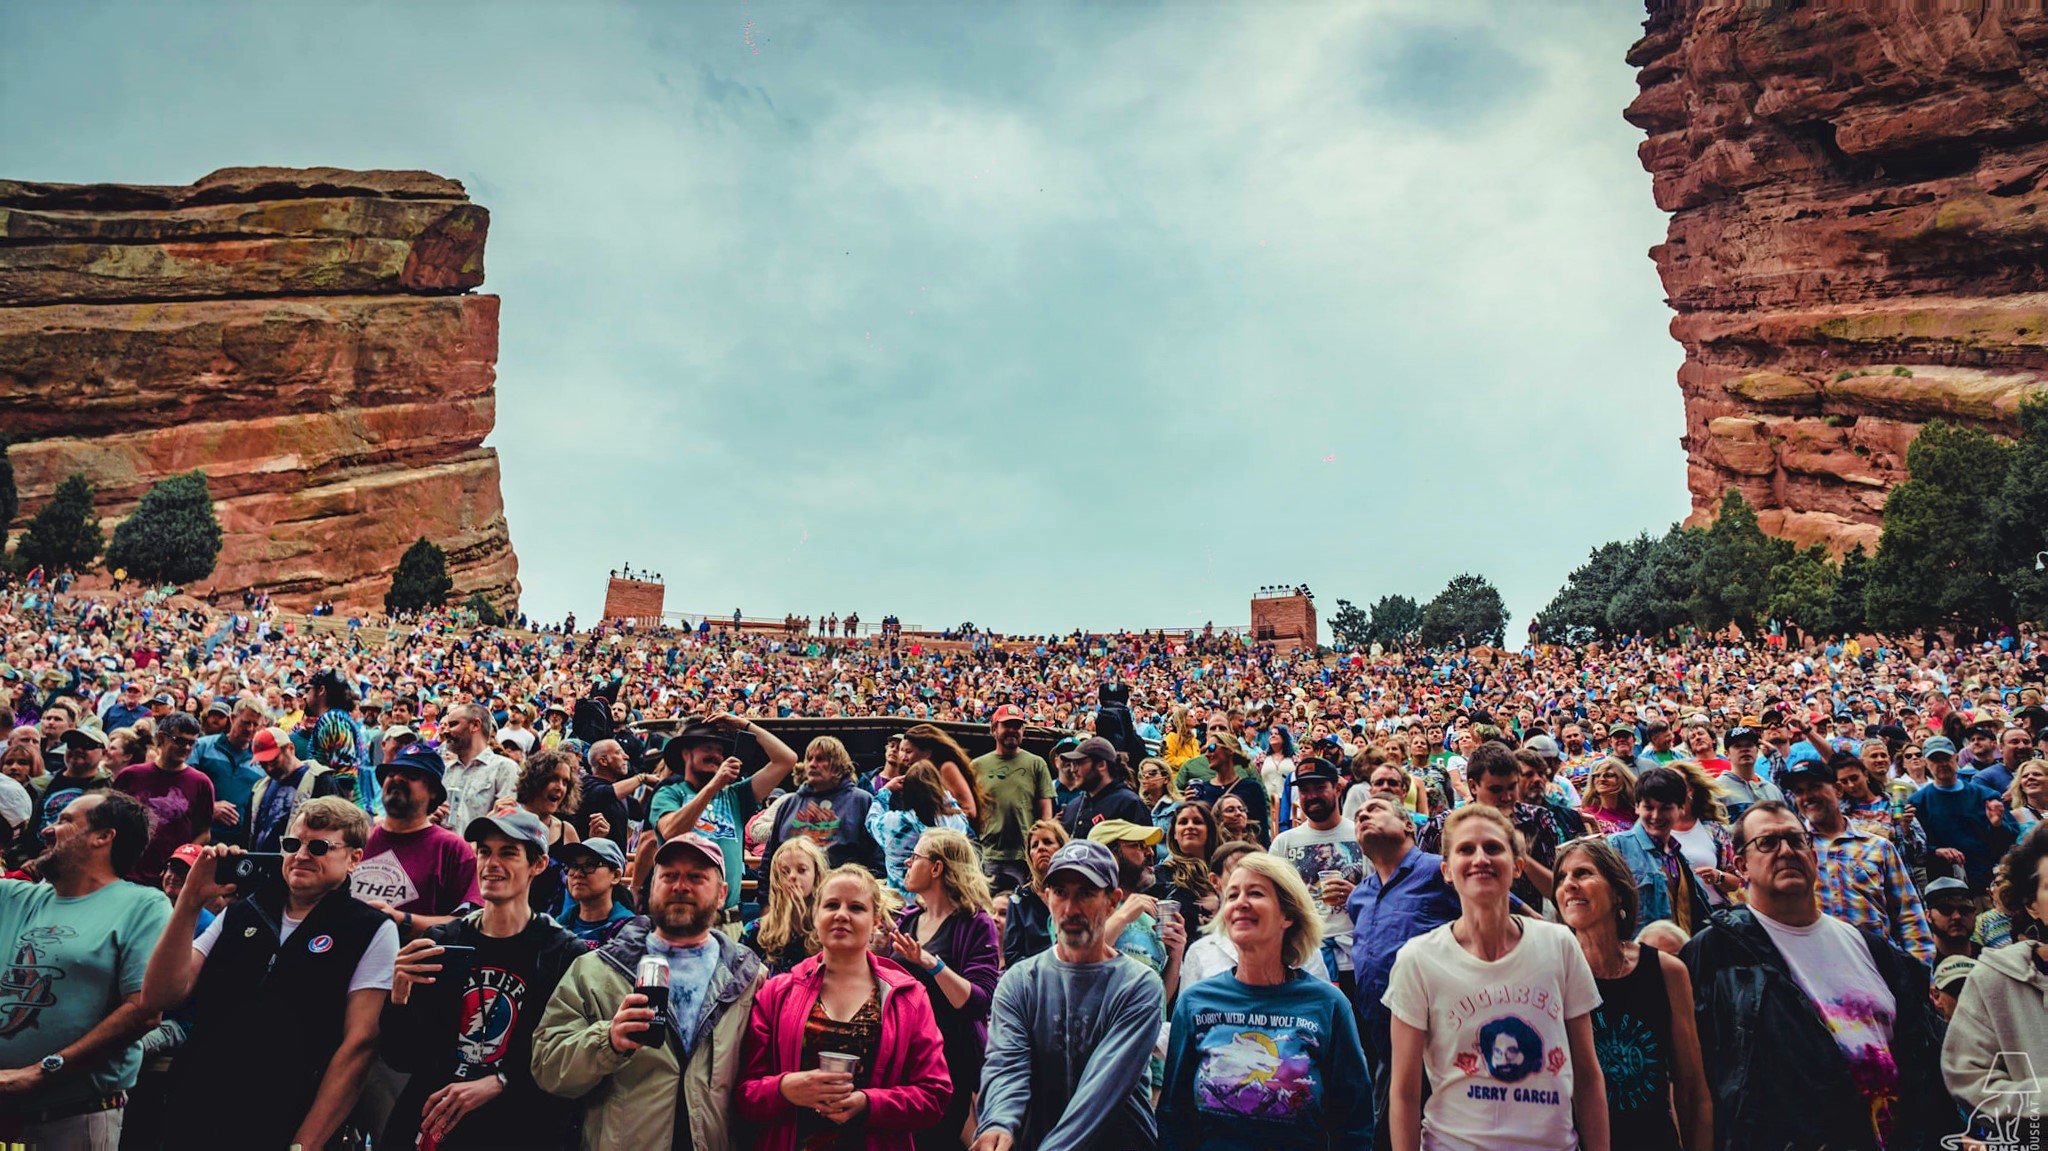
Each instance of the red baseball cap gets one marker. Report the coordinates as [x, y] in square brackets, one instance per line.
[1006, 713]
[187, 854]
[264, 747]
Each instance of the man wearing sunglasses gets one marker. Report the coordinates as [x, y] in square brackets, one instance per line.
[287, 986]
[181, 797]
[1814, 1033]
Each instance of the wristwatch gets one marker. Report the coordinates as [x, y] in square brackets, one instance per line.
[52, 1064]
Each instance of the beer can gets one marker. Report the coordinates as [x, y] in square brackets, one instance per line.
[652, 972]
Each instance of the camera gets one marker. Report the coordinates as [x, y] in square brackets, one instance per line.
[249, 869]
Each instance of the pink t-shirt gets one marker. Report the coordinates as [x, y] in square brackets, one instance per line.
[427, 872]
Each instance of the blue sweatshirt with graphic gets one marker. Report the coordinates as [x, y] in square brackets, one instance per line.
[1265, 1069]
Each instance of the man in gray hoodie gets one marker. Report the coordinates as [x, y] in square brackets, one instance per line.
[1071, 1030]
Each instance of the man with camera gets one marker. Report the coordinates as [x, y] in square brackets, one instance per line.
[464, 1002]
[290, 982]
[674, 1090]
[77, 945]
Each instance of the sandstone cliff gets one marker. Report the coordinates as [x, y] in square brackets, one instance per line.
[307, 336]
[1856, 241]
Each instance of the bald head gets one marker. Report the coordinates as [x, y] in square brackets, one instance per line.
[608, 759]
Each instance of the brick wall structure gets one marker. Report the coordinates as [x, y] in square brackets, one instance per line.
[636, 600]
[1284, 617]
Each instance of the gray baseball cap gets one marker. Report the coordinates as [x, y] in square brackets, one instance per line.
[1087, 859]
[599, 848]
[517, 825]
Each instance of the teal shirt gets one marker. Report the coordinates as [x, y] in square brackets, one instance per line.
[234, 775]
[724, 821]
[70, 962]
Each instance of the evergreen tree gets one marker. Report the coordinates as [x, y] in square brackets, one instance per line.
[1396, 619]
[173, 536]
[1937, 562]
[65, 533]
[1654, 600]
[1845, 611]
[1347, 624]
[1803, 590]
[10, 500]
[1578, 612]
[421, 580]
[2019, 512]
[1733, 581]
[487, 613]
[1467, 613]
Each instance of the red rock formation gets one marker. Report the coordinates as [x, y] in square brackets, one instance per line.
[304, 335]
[1856, 241]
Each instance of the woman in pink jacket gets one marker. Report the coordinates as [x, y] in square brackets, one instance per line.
[843, 1001]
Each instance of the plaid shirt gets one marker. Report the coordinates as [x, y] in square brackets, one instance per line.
[1864, 883]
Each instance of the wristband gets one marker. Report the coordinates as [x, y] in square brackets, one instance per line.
[937, 966]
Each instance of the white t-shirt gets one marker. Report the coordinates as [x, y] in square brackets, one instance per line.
[1833, 966]
[15, 804]
[1497, 1053]
[1313, 852]
[372, 970]
[1697, 846]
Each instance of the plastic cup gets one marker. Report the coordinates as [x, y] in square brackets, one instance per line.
[1169, 909]
[838, 1064]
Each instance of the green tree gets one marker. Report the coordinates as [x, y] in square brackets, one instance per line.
[10, 500]
[173, 536]
[1467, 613]
[65, 533]
[1733, 581]
[2019, 512]
[1937, 560]
[1578, 612]
[487, 613]
[1347, 624]
[1396, 619]
[1845, 612]
[421, 580]
[1803, 590]
[1654, 599]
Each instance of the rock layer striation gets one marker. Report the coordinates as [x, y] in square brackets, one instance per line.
[308, 337]
[1858, 240]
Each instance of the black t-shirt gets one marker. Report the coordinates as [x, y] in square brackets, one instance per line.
[600, 799]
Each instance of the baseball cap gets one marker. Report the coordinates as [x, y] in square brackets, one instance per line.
[599, 847]
[1094, 747]
[1119, 830]
[1316, 768]
[1950, 973]
[266, 745]
[1811, 769]
[401, 733]
[1938, 745]
[83, 737]
[418, 757]
[1949, 887]
[691, 843]
[1743, 734]
[1544, 746]
[1086, 858]
[517, 825]
[187, 854]
[1006, 713]
[219, 707]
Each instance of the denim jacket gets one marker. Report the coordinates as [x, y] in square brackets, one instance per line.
[1653, 891]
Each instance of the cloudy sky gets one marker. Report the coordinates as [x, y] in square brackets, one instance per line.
[1030, 314]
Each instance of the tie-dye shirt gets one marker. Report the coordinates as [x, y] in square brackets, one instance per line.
[1833, 966]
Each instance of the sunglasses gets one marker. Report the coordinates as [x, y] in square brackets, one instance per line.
[314, 847]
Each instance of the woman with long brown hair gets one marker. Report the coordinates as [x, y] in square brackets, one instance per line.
[914, 803]
[1027, 927]
[1191, 835]
[928, 743]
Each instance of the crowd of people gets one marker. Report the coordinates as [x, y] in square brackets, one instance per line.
[278, 884]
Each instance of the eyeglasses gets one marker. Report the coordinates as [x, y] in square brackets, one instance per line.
[584, 866]
[1770, 844]
[314, 847]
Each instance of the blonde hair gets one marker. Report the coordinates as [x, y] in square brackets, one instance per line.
[2014, 797]
[1059, 834]
[961, 876]
[1304, 936]
[878, 895]
[1482, 813]
[835, 753]
[333, 813]
[1705, 802]
[788, 915]
[1172, 791]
